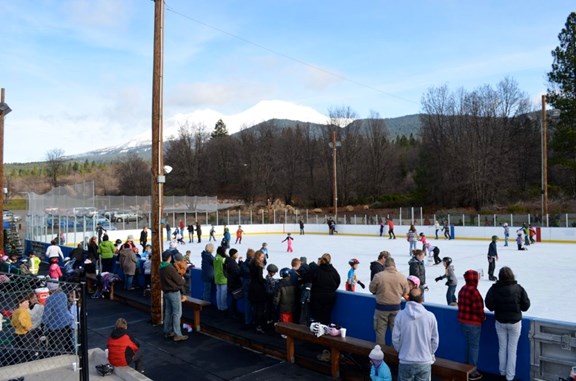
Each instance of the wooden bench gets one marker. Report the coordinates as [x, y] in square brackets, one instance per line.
[197, 305]
[447, 369]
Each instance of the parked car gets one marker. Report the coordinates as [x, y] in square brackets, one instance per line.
[106, 224]
[8, 215]
[127, 216]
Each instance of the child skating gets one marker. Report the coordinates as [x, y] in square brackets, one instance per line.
[352, 279]
[288, 241]
[451, 281]
[519, 241]
[506, 233]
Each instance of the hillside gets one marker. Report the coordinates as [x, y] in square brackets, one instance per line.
[404, 125]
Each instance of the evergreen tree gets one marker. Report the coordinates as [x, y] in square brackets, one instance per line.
[562, 96]
[219, 129]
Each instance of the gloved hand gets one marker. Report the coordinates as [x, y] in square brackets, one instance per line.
[425, 288]
[305, 295]
[361, 284]
[438, 279]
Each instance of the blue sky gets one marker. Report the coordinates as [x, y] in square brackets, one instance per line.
[78, 73]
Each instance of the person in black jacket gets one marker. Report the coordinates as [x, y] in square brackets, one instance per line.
[257, 291]
[232, 273]
[325, 282]
[508, 300]
[245, 277]
[417, 267]
[378, 265]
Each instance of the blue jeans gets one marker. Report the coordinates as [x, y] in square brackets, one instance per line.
[207, 294]
[172, 313]
[412, 247]
[247, 305]
[450, 295]
[414, 372]
[472, 337]
[128, 280]
[222, 297]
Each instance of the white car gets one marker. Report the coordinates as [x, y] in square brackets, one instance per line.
[126, 216]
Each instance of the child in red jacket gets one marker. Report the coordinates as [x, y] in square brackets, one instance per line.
[123, 349]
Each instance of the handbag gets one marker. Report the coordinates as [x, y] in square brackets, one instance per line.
[238, 293]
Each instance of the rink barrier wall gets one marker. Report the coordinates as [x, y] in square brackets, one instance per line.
[549, 235]
[355, 312]
[545, 346]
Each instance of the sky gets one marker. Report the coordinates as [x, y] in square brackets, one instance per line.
[78, 73]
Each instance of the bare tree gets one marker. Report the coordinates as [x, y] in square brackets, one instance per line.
[186, 155]
[470, 141]
[134, 176]
[54, 165]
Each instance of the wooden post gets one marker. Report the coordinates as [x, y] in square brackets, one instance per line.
[544, 161]
[2, 169]
[157, 162]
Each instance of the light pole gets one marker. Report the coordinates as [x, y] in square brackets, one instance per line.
[544, 149]
[334, 144]
[4, 110]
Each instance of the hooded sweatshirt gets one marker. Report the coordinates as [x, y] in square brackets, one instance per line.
[470, 302]
[415, 335]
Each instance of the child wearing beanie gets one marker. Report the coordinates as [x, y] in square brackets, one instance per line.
[379, 371]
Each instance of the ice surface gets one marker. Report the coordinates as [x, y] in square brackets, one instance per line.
[546, 270]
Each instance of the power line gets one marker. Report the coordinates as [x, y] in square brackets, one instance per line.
[283, 55]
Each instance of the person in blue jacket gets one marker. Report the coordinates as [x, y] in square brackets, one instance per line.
[379, 371]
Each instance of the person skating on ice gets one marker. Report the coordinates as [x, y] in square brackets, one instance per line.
[288, 241]
[451, 281]
[506, 233]
[519, 243]
[492, 258]
[352, 279]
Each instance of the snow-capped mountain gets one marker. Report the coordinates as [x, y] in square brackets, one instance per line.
[261, 112]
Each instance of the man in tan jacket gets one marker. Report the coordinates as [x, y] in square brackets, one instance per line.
[388, 286]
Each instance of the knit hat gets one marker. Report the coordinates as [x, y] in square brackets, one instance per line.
[414, 279]
[272, 268]
[376, 353]
[130, 237]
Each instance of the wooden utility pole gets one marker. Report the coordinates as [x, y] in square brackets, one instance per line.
[335, 184]
[544, 162]
[4, 109]
[157, 162]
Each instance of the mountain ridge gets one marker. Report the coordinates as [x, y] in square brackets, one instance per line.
[281, 113]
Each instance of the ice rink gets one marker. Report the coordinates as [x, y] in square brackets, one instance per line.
[546, 270]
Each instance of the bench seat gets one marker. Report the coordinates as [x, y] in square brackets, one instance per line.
[447, 369]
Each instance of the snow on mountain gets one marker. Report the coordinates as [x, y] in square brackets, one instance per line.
[261, 112]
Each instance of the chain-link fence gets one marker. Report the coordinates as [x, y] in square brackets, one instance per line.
[40, 319]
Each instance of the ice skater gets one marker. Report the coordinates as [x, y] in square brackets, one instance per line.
[288, 241]
[352, 279]
[239, 233]
[451, 281]
[391, 234]
[492, 258]
[519, 243]
[412, 238]
[506, 233]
